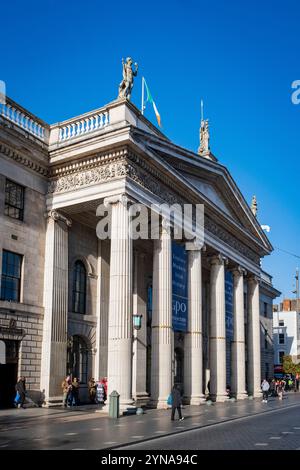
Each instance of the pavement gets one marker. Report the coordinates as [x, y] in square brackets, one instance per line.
[83, 428]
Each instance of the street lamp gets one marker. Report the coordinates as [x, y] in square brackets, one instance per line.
[137, 321]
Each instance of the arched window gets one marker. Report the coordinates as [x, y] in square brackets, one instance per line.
[79, 288]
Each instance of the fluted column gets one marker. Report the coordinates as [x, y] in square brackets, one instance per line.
[217, 330]
[193, 351]
[139, 359]
[120, 301]
[254, 370]
[54, 346]
[161, 355]
[238, 344]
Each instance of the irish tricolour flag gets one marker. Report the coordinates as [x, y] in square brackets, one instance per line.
[150, 99]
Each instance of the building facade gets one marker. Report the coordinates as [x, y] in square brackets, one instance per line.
[68, 297]
[286, 332]
[267, 295]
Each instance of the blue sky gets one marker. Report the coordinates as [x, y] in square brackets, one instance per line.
[60, 59]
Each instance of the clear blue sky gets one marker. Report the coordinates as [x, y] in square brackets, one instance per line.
[60, 59]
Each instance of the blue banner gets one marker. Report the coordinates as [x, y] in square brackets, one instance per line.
[179, 287]
[229, 323]
[229, 304]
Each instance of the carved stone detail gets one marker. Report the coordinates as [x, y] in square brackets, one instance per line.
[25, 161]
[55, 215]
[126, 164]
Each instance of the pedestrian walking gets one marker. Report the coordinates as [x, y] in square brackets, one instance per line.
[265, 386]
[280, 389]
[176, 403]
[21, 390]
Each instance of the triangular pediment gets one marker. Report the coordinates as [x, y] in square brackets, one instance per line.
[211, 181]
[211, 193]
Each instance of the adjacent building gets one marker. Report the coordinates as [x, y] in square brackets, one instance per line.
[69, 298]
[286, 331]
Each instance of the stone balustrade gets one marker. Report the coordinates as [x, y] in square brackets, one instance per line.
[87, 124]
[22, 119]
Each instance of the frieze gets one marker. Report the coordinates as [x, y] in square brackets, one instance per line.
[142, 174]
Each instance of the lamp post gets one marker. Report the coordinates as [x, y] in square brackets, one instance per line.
[137, 321]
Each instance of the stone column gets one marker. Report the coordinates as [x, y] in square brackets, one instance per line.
[254, 371]
[217, 330]
[100, 364]
[139, 359]
[54, 346]
[193, 351]
[238, 344]
[161, 353]
[120, 301]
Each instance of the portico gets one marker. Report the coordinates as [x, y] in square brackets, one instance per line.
[106, 161]
[129, 161]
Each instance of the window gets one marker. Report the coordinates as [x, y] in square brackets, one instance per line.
[265, 309]
[281, 354]
[11, 276]
[14, 200]
[266, 339]
[281, 322]
[281, 338]
[79, 287]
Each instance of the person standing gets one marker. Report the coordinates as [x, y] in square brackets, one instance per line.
[176, 403]
[92, 389]
[21, 389]
[66, 387]
[265, 386]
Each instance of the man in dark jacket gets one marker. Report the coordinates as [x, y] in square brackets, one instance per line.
[176, 403]
[21, 389]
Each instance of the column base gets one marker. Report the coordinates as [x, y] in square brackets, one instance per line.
[142, 399]
[160, 403]
[219, 398]
[241, 395]
[196, 400]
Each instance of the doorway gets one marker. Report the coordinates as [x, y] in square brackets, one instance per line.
[8, 372]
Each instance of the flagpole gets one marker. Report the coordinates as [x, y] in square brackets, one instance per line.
[143, 95]
[202, 114]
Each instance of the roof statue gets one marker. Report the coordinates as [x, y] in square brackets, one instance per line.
[126, 84]
[254, 206]
[204, 138]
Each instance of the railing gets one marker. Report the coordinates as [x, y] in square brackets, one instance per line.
[83, 126]
[21, 118]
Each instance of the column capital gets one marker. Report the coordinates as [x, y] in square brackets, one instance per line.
[218, 259]
[254, 279]
[122, 198]
[57, 216]
[238, 271]
[195, 245]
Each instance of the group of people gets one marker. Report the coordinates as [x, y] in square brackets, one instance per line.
[70, 389]
[277, 387]
[98, 390]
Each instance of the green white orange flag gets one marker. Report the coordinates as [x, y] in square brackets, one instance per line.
[150, 99]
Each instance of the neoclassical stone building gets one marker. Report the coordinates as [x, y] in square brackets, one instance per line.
[68, 298]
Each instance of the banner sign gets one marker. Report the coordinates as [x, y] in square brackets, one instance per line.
[179, 287]
[229, 304]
